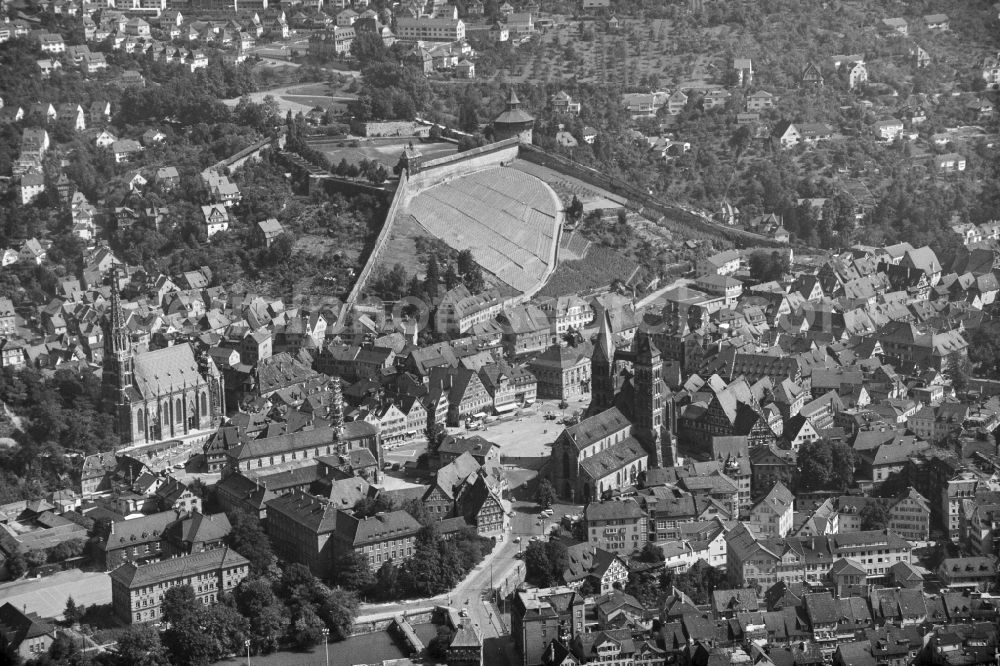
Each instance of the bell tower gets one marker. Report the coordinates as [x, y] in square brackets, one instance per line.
[116, 378]
[602, 369]
[647, 367]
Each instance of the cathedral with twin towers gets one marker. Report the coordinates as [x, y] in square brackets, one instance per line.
[629, 427]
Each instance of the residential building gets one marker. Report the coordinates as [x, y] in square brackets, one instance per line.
[809, 559]
[616, 526]
[30, 187]
[760, 100]
[24, 634]
[723, 263]
[124, 149]
[897, 25]
[526, 330]
[889, 130]
[267, 231]
[949, 163]
[563, 103]
[938, 22]
[216, 219]
[772, 516]
[603, 569]
[975, 573]
[540, 615]
[459, 310]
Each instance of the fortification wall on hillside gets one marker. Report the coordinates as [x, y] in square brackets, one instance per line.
[389, 128]
[638, 200]
[402, 194]
[436, 171]
[429, 173]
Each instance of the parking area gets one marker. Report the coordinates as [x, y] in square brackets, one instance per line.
[530, 434]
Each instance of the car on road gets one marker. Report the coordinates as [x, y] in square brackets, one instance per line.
[463, 613]
[536, 538]
[517, 539]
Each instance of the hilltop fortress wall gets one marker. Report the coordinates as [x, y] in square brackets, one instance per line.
[426, 174]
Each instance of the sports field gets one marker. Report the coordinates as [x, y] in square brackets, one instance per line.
[47, 596]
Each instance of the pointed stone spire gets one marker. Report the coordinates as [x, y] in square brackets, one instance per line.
[605, 338]
[117, 313]
[513, 102]
[337, 408]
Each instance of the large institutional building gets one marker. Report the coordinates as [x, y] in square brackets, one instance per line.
[631, 427]
[158, 395]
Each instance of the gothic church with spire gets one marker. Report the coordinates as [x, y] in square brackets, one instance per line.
[158, 395]
[630, 424]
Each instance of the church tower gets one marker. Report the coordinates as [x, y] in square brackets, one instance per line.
[337, 408]
[118, 367]
[602, 369]
[647, 380]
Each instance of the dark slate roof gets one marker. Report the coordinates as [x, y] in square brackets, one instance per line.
[133, 576]
[17, 626]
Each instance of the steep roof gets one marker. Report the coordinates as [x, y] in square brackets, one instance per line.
[780, 498]
[133, 576]
[17, 626]
[597, 427]
[199, 528]
[144, 529]
[613, 458]
[315, 515]
[627, 509]
[388, 525]
[166, 370]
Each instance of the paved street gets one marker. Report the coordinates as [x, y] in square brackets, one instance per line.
[498, 569]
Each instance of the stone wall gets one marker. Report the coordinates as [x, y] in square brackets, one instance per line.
[375, 624]
[250, 153]
[402, 192]
[641, 201]
[389, 128]
[434, 172]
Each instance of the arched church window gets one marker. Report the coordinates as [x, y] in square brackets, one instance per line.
[139, 421]
[178, 407]
[204, 403]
